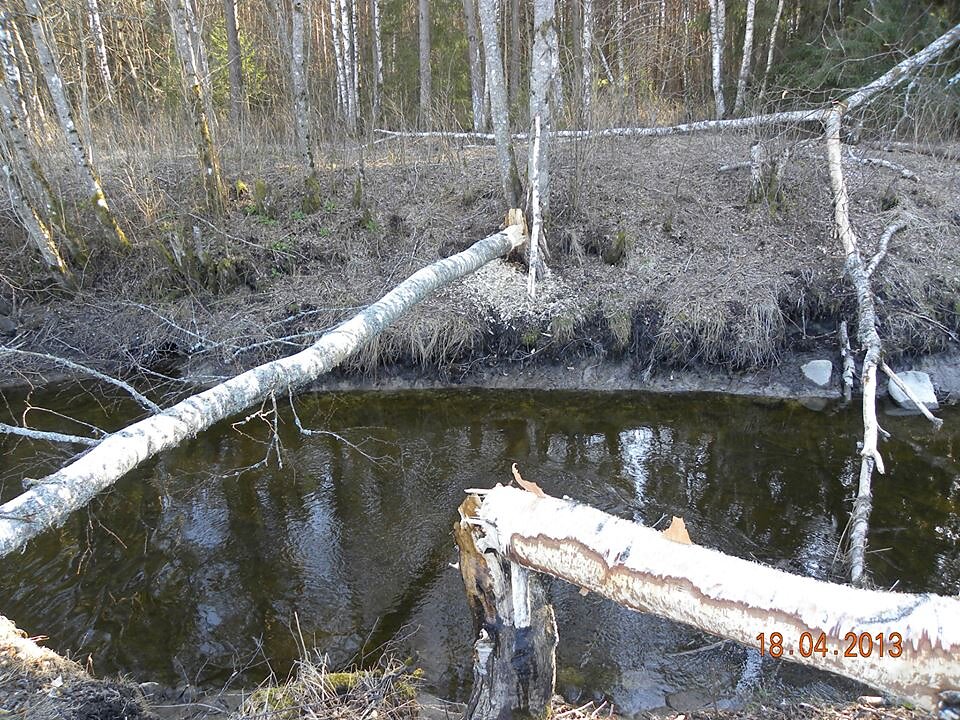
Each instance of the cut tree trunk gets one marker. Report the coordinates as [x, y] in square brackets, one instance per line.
[493, 62]
[61, 104]
[740, 600]
[50, 500]
[746, 60]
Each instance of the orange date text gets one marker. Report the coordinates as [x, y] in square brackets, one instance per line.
[854, 645]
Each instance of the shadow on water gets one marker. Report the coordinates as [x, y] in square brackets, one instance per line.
[194, 566]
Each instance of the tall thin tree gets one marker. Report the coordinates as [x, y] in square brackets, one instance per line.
[586, 52]
[100, 48]
[234, 61]
[475, 58]
[298, 85]
[377, 49]
[718, 12]
[747, 58]
[426, 76]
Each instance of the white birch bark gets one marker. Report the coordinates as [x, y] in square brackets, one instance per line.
[621, 61]
[100, 48]
[298, 85]
[355, 46]
[234, 61]
[337, 38]
[771, 47]
[377, 49]
[513, 75]
[586, 52]
[348, 45]
[542, 63]
[533, 180]
[639, 568]
[493, 61]
[717, 30]
[10, 69]
[746, 60]
[198, 103]
[477, 82]
[61, 103]
[50, 500]
[426, 76]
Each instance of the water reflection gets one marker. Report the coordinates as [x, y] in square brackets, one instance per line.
[193, 568]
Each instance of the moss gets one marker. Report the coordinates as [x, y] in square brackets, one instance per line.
[615, 249]
[273, 698]
[342, 682]
[312, 200]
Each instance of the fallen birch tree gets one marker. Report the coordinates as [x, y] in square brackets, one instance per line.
[905, 644]
[51, 499]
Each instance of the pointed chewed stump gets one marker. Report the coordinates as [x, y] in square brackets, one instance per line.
[514, 663]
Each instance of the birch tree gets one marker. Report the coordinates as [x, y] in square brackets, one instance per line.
[100, 48]
[542, 65]
[184, 33]
[493, 62]
[771, 46]
[426, 77]
[586, 53]
[377, 49]
[46, 54]
[718, 23]
[336, 37]
[513, 75]
[475, 58]
[747, 58]
[234, 61]
[298, 84]
[349, 50]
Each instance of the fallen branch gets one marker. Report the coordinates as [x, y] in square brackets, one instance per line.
[47, 436]
[849, 368]
[144, 402]
[881, 253]
[880, 162]
[57, 495]
[729, 597]
[916, 149]
[924, 410]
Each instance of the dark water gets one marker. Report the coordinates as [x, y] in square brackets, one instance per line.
[194, 567]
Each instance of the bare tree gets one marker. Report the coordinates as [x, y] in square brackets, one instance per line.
[426, 77]
[513, 74]
[771, 46]
[542, 67]
[298, 84]
[46, 53]
[338, 53]
[377, 50]
[185, 34]
[349, 48]
[493, 61]
[477, 83]
[586, 55]
[747, 58]
[718, 21]
[234, 61]
[100, 48]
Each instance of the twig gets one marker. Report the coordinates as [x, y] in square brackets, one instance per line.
[48, 436]
[142, 401]
[924, 410]
[888, 233]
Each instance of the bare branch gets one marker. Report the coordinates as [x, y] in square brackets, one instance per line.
[47, 436]
[924, 410]
[888, 233]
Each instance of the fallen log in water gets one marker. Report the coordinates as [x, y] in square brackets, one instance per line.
[904, 644]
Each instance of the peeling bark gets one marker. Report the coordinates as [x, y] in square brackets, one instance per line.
[736, 599]
[50, 500]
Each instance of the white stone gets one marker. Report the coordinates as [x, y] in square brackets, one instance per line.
[819, 372]
[921, 386]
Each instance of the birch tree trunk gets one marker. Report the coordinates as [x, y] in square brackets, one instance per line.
[493, 61]
[426, 77]
[50, 500]
[746, 60]
[476, 67]
[377, 49]
[717, 30]
[771, 46]
[100, 48]
[619, 21]
[586, 52]
[513, 80]
[337, 37]
[197, 102]
[234, 62]
[349, 63]
[542, 63]
[639, 568]
[61, 103]
[298, 84]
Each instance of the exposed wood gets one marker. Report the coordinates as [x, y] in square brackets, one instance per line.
[515, 631]
[54, 497]
[729, 597]
[924, 410]
[849, 368]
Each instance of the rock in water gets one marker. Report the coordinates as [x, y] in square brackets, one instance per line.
[921, 386]
[819, 372]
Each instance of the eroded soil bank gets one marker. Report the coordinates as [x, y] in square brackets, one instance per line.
[664, 274]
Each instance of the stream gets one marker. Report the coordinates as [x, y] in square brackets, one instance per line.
[214, 563]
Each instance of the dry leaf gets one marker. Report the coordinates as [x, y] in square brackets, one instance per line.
[530, 487]
[677, 531]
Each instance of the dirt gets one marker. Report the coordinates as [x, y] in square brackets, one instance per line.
[660, 266]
